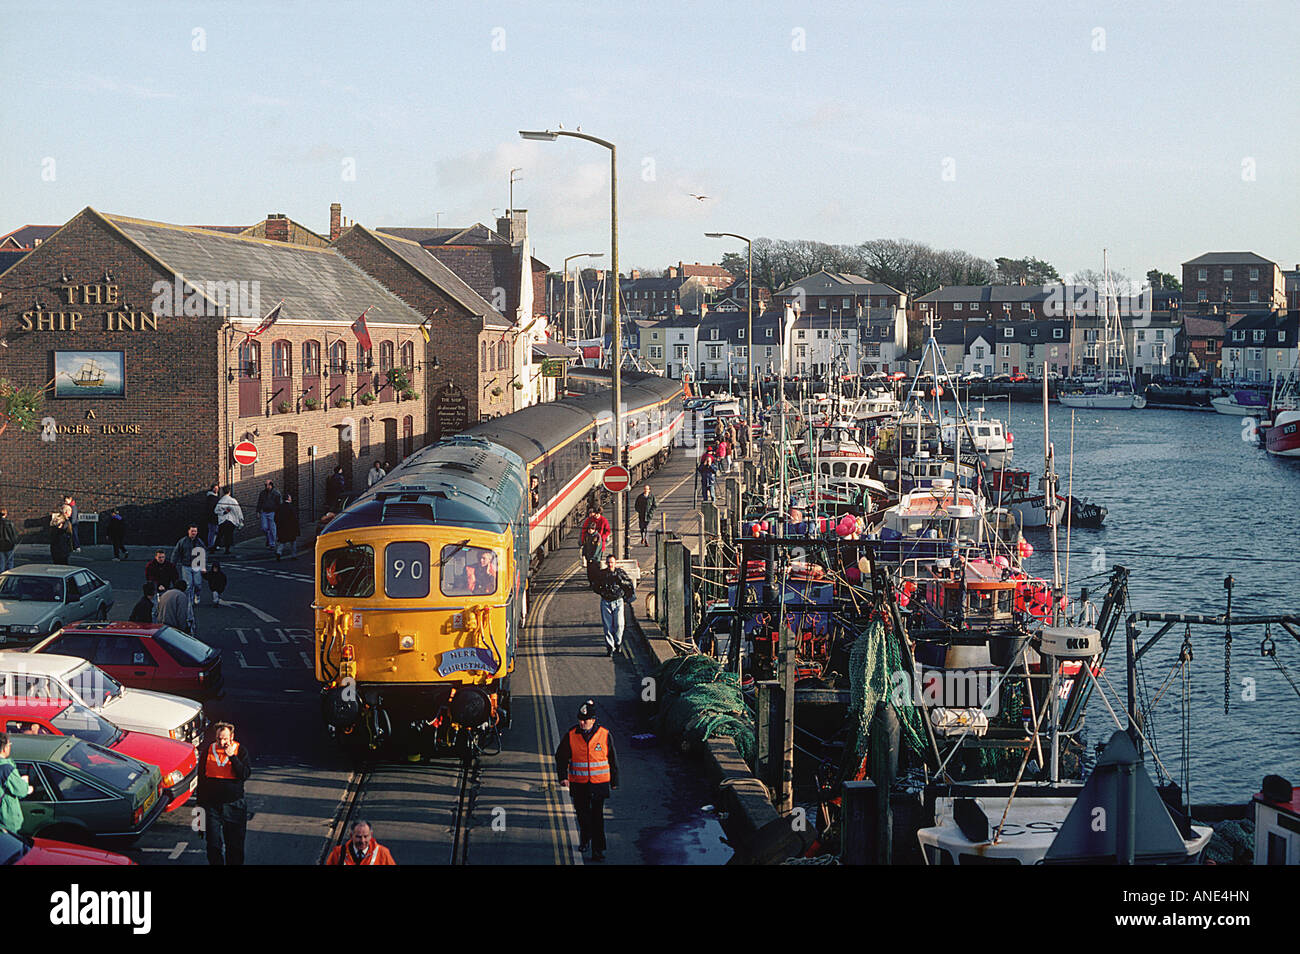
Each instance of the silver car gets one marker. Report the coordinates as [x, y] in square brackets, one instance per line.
[39, 598]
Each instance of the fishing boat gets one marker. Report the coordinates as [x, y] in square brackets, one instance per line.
[987, 437]
[1282, 432]
[1010, 489]
[931, 525]
[875, 406]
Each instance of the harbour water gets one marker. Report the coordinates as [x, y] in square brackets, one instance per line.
[1189, 503]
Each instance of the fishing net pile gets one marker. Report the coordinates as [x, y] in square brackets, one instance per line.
[1233, 843]
[878, 673]
[699, 700]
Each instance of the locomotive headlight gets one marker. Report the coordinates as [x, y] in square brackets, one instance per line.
[471, 707]
[406, 643]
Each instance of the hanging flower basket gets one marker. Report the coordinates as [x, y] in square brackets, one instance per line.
[343, 402]
[310, 403]
[368, 398]
[496, 392]
[284, 407]
[410, 394]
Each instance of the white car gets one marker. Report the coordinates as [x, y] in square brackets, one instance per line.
[44, 676]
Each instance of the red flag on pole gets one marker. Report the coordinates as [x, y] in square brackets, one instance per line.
[361, 331]
[267, 322]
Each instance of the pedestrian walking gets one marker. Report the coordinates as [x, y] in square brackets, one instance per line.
[593, 548]
[223, 768]
[116, 532]
[161, 572]
[588, 768]
[361, 849]
[335, 487]
[61, 542]
[268, 502]
[613, 586]
[645, 509]
[216, 580]
[175, 609]
[8, 541]
[210, 522]
[706, 473]
[190, 557]
[286, 527]
[230, 517]
[74, 517]
[375, 475]
[13, 788]
[723, 448]
[142, 612]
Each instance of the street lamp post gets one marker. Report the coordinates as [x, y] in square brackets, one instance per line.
[749, 333]
[564, 338]
[620, 499]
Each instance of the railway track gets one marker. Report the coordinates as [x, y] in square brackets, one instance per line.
[426, 806]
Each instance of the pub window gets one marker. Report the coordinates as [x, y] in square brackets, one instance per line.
[365, 358]
[311, 357]
[250, 359]
[482, 357]
[501, 354]
[281, 359]
[386, 350]
[408, 355]
[339, 357]
[365, 437]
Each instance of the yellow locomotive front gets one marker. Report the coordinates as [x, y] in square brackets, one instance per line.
[415, 633]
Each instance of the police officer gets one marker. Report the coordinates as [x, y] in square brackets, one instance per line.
[587, 767]
[223, 767]
[361, 849]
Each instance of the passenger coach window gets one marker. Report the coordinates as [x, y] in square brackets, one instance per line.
[348, 571]
[468, 571]
[406, 570]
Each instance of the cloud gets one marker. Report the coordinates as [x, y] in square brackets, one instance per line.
[96, 83]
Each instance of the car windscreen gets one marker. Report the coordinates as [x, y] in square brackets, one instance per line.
[117, 770]
[182, 647]
[43, 589]
[87, 725]
[94, 686]
[11, 847]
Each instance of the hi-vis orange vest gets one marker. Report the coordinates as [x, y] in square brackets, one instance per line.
[377, 855]
[218, 764]
[589, 761]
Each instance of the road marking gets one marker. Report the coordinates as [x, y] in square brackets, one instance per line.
[260, 614]
[178, 850]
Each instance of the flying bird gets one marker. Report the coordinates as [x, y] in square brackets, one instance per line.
[694, 196]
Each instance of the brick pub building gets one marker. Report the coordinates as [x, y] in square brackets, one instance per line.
[139, 332]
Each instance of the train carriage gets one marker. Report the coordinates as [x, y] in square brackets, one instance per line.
[421, 582]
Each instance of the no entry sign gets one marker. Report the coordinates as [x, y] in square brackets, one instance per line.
[616, 478]
[245, 453]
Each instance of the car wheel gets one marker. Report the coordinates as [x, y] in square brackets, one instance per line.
[103, 611]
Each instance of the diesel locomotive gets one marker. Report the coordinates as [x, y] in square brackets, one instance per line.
[422, 581]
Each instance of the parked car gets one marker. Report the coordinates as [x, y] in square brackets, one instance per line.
[144, 656]
[17, 850]
[82, 791]
[177, 761]
[1019, 378]
[37, 598]
[47, 676]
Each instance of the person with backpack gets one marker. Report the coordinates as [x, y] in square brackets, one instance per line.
[613, 586]
[230, 517]
[645, 509]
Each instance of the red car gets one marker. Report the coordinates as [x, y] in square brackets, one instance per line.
[177, 761]
[1019, 378]
[15, 850]
[143, 656]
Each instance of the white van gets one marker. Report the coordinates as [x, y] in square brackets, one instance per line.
[42, 676]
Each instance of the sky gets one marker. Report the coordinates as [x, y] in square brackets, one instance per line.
[1157, 130]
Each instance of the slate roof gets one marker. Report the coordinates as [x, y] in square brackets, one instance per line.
[1203, 327]
[26, 236]
[435, 272]
[1031, 332]
[987, 293]
[553, 349]
[960, 332]
[1268, 321]
[825, 282]
[317, 284]
[476, 234]
[1229, 258]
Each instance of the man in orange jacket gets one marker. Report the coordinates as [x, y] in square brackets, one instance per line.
[362, 849]
[588, 769]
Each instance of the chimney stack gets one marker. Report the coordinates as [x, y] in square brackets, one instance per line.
[277, 227]
[336, 220]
